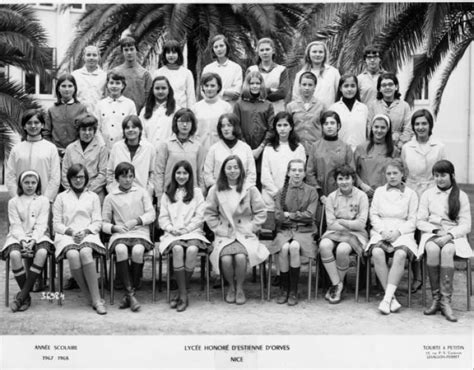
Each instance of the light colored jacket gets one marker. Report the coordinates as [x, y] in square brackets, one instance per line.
[81, 213]
[240, 224]
[219, 152]
[94, 158]
[433, 214]
[28, 218]
[177, 215]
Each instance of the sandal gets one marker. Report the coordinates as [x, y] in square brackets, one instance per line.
[99, 307]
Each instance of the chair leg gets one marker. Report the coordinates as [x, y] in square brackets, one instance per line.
[367, 279]
[310, 271]
[269, 277]
[52, 272]
[168, 278]
[409, 283]
[7, 281]
[254, 274]
[316, 281]
[153, 276]
[44, 274]
[160, 272]
[203, 264]
[357, 278]
[423, 278]
[104, 268]
[222, 281]
[262, 281]
[60, 273]
[111, 278]
[208, 274]
[468, 283]
[102, 276]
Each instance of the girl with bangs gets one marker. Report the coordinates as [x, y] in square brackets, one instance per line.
[372, 157]
[255, 114]
[296, 205]
[182, 218]
[182, 145]
[282, 148]
[180, 78]
[353, 113]
[230, 143]
[444, 218]
[135, 150]
[28, 214]
[158, 112]
[235, 213]
[59, 127]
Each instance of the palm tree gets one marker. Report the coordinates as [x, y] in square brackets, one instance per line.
[433, 31]
[191, 24]
[22, 43]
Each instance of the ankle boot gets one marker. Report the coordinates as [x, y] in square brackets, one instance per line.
[133, 302]
[284, 287]
[181, 280]
[294, 279]
[447, 274]
[433, 273]
[137, 270]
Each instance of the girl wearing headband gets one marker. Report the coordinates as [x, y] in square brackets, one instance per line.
[28, 214]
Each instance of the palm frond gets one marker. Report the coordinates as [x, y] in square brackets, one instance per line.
[453, 58]
[13, 101]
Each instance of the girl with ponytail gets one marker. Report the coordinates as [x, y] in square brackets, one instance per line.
[295, 208]
[444, 218]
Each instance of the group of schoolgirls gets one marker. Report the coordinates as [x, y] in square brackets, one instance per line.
[202, 148]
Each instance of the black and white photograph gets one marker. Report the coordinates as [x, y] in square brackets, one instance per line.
[224, 185]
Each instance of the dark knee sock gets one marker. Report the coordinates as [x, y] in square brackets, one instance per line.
[181, 280]
[137, 271]
[20, 276]
[90, 276]
[33, 274]
[123, 274]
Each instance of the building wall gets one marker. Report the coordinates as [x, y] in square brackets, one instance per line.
[454, 124]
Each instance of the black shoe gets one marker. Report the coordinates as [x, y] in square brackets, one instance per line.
[38, 286]
[276, 280]
[70, 284]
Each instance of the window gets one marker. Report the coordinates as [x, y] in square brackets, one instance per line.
[423, 94]
[42, 85]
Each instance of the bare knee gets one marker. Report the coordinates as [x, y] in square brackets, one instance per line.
[343, 250]
[86, 255]
[138, 251]
[326, 246]
[378, 254]
[399, 256]
[191, 251]
[121, 251]
[177, 251]
[73, 258]
[448, 251]
[294, 248]
[15, 257]
[432, 249]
